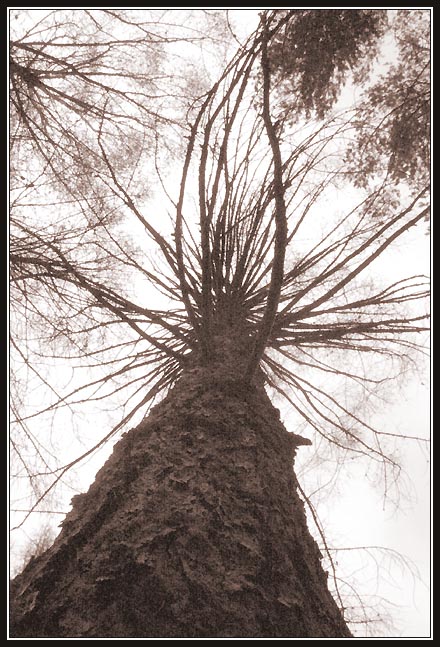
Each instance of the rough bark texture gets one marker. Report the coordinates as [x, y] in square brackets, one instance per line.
[193, 528]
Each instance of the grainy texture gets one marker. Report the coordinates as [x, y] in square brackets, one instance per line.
[193, 528]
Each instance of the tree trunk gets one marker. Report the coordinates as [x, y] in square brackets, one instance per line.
[193, 528]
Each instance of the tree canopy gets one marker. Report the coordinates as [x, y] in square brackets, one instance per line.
[318, 53]
[314, 51]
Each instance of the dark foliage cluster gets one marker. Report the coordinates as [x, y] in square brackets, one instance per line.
[313, 52]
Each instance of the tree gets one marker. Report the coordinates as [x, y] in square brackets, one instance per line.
[394, 124]
[79, 106]
[194, 527]
[36, 546]
[316, 52]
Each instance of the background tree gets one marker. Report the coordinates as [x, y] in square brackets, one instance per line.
[258, 296]
[317, 52]
[88, 90]
[394, 124]
[36, 546]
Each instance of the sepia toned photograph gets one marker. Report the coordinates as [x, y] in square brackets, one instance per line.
[219, 241]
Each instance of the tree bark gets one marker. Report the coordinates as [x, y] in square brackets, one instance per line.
[192, 528]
